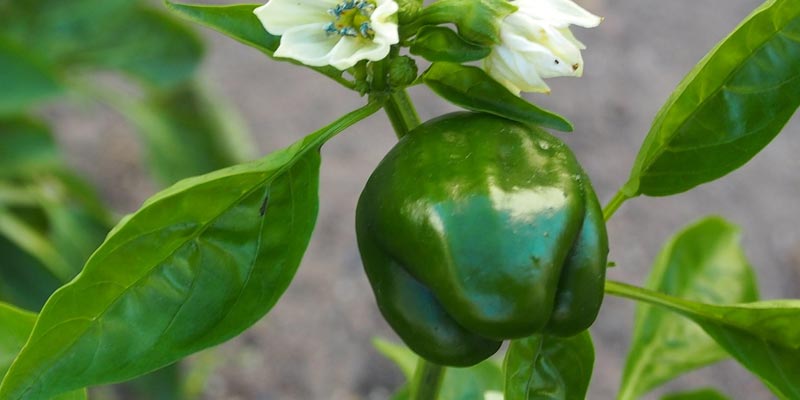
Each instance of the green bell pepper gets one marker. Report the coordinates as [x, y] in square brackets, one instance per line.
[475, 229]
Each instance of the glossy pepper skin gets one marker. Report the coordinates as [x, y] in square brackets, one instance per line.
[475, 229]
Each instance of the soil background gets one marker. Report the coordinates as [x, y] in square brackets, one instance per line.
[315, 344]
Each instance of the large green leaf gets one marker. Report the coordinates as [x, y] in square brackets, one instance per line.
[239, 22]
[24, 79]
[15, 326]
[186, 132]
[542, 367]
[700, 394]
[200, 262]
[458, 383]
[472, 88]
[763, 336]
[704, 262]
[728, 107]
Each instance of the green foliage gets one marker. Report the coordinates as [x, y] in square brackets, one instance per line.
[437, 43]
[190, 250]
[544, 367]
[700, 394]
[119, 35]
[728, 107]
[200, 262]
[204, 259]
[704, 262]
[17, 325]
[473, 89]
[763, 336]
[26, 146]
[25, 80]
[50, 221]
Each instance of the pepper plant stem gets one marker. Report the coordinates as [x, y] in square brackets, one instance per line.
[401, 112]
[427, 381]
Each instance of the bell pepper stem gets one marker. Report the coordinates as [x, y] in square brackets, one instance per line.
[427, 381]
[401, 112]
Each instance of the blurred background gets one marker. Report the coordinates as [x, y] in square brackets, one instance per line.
[316, 343]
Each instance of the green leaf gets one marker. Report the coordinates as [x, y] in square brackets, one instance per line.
[700, 394]
[763, 336]
[200, 262]
[704, 262]
[26, 145]
[728, 108]
[187, 132]
[471, 88]
[549, 367]
[477, 21]
[16, 326]
[435, 43]
[24, 80]
[239, 22]
[458, 383]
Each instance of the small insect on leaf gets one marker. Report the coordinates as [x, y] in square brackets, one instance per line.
[264, 204]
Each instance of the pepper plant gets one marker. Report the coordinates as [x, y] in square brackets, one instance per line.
[479, 227]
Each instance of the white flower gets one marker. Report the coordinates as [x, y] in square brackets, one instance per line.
[535, 43]
[331, 32]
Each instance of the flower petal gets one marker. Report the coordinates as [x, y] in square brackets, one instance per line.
[384, 23]
[560, 13]
[309, 44]
[278, 16]
[349, 51]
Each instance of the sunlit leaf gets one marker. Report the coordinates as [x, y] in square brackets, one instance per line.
[703, 262]
[200, 262]
[728, 108]
[763, 336]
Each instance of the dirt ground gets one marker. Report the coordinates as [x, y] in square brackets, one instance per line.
[316, 343]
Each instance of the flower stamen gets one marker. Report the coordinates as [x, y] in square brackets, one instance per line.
[352, 19]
